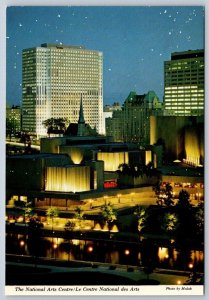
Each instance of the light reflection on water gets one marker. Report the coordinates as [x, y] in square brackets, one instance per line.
[103, 252]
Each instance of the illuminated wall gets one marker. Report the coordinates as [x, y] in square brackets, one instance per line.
[192, 146]
[113, 159]
[148, 157]
[68, 179]
[181, 137]
[76, 154]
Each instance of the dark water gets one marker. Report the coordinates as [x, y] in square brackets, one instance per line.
[115, 253]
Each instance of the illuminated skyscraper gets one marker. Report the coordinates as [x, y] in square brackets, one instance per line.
[184, 83]
[54, 77]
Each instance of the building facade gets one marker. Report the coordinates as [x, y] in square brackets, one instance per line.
[137, 110]
[184, 83]
[13, 119]
[54, 78]
[182, 138]
[111, 113]
[114, 126]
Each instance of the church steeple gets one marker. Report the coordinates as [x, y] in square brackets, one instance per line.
[81, 116]
[81, 121]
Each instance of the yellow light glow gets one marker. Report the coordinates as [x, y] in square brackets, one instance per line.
[90, 249]
[97, 227]
[192, 147]
[148, 157]
[179, 282]
[113, 159]
[68, 179]
[162, 253]
[114, 229]
[105, 228]
[55, 246]
[190, 265]
[22, 243]
[127, 252]
[76, 154]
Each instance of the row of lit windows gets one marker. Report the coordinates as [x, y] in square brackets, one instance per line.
[181, 87]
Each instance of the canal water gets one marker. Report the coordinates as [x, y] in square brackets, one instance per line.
[106, 252]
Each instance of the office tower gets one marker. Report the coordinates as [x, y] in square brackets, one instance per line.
[184, 83]
[13, 119]
[54, 78]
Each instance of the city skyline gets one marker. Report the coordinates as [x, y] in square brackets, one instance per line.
[131, 55]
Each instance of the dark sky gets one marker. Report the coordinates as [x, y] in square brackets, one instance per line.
[135, 41]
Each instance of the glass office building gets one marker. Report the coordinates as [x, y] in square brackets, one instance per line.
[184, 83]
[54, 77]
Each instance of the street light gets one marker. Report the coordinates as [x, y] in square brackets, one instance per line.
[132, 194]
[22, 243]
[127, 252]
[105, 199]
[90, 249]
[55, 248]
[90, 203]
[118, 195]
[190, 266]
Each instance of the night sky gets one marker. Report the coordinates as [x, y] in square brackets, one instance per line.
[135, 41]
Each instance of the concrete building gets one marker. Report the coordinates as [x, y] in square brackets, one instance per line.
[115, 126]
[109, 112]
[54, 77]
[110, 108]
[184, 83]
[182, 138]
[13, 119]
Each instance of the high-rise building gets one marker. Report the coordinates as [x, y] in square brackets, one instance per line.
[54, 78]
[13, 119]
[115, 125]
[132, 122]
[110, 112]
[137, 110]
[184, 83]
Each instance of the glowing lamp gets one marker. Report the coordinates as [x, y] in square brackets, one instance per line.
[22, 243]
[127, 252]
[190, 265]
[55, 246]
[90, 249]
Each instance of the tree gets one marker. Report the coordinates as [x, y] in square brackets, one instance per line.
[184, 200]
[187, 224]
[79, 215]
[27, 210]
[52, 124]
[141, 215]
[109, 214]
[25, 138]
[52, 212]
[169, 222]
[164, 194]
[69, 226]
[199, 216]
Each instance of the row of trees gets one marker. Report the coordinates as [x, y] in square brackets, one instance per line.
[136, 170]
[180, 221]
[108, 214]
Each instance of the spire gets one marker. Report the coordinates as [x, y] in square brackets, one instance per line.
[81, 121]
[81, 116]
